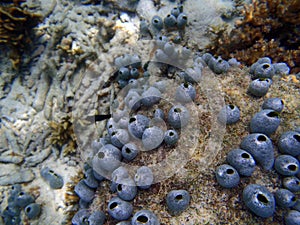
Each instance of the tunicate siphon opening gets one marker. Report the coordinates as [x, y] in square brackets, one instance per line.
[131, 120]
[178, 197]
[21, 193]
[272, 114]
[119, 187]
[155, 20]
[28, 209]
[186, 85]
[262, 198]
[177, 110]
[261, 138]
[265, 66]
[229, 171]
[292, 167]
[293, 199]
[113, 133]
[101, 155]
[297, 137]
[127, 150]
[168, 15]
[142, 219]
[245, 155]
[113, 205]
[171, 133]
[85, 220]
[231, 107]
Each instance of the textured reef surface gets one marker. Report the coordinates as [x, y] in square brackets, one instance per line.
[70, 69]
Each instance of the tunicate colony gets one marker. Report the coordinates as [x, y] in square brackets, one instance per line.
[130, 135]
[257, 148]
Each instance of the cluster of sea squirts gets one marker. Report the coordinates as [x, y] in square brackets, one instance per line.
[20, 203]
[129, 133]
[257, 148]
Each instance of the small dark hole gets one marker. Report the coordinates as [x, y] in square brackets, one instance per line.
[85, 220]
[131, 120]
[171, 133]
[179, 197]
[119, 187]
[127, 150]
[113, 133]
[220, 60]
[292, 167]
[177, 110]
[262, 199]
[110, 126]
[297, 182]
[113, 205]
[272, 114]
[245, 156]
[184, 18]
[297, 137]
[231, 107]
[261, 138]
[160, 38]
[266, 66]
[229, 171]
[21, 193]
[28, 209]
[51, 171]
[293, 199]
[142, 219]
[186, 85]
[156, 21]
[101, 155]
[282, 102]
[168, 15]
